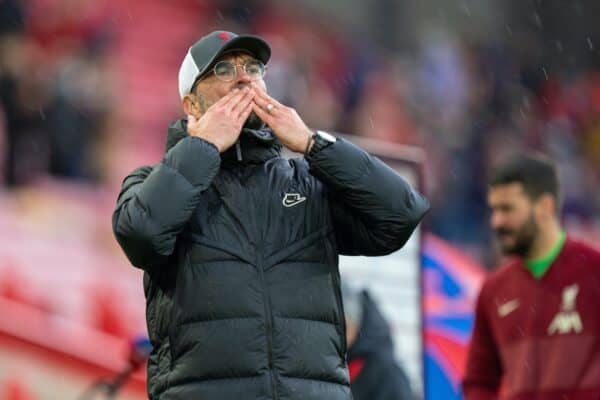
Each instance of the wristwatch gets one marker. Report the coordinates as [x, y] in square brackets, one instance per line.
[321, 139]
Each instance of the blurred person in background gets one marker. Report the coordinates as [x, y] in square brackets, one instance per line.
[374, 372]
[22, 95]
[240, 246]
[537, 329]
[79, 113]
[55, 90]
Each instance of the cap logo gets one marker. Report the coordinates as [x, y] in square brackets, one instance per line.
[224, 36]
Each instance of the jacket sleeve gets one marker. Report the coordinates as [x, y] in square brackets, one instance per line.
[483, 370]
[156, 202]
[397, 387]
[374, 209]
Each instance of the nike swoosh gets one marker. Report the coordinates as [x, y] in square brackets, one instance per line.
[508, 307]
[292, 199]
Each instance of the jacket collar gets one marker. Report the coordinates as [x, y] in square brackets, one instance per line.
[252, 147]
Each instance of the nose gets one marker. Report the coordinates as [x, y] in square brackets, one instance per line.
[242, 76]
[496, 219]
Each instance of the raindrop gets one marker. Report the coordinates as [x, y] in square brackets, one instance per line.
[371, 122]
[465, 8]
[572, 60]
[509, 30]
[220, 15]
[545, 73]
[590, 44]
[441, 14]
[559, 46]
[42, 114]
[537, 19]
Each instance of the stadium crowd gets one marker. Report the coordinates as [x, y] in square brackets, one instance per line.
[467, 100]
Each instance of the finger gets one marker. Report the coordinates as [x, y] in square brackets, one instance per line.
[248, 101]
[241, 109]
[230, 105]
[237, 108]
[266, 105]
[245, 112]
[229, 97]
[261, 94]
[260, 101]
[262, 114]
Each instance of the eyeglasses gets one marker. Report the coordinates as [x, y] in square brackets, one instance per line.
[227, 71]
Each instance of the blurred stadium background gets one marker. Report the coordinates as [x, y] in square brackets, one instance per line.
[87, 89]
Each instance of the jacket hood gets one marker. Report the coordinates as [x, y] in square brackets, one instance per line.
[374, 335]
[253, 146]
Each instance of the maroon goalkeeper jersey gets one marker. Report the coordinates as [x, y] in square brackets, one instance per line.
[538, 338]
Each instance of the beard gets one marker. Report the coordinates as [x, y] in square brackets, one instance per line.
[524, 237]
[253, 122]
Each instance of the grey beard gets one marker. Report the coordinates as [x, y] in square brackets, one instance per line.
[253, 122]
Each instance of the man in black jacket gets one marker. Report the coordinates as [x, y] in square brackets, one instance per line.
[374, 372]
[240, 246]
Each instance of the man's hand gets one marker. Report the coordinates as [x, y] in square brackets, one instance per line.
[285, 122]
[222, 122]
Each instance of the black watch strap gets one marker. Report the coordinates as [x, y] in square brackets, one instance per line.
[321, 140]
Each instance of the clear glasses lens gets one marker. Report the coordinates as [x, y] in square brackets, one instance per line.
[255, 69]
[226, 70]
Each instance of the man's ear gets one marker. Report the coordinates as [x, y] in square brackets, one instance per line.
[190, 106]
[547, 205]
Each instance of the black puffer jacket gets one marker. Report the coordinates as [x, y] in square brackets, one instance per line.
[241, 263]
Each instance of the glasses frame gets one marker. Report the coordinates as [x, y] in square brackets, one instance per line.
[213, 71]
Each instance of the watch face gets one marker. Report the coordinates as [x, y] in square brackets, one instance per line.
[327, 136]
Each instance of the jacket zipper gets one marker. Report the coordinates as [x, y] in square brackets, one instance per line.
[268, 322]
